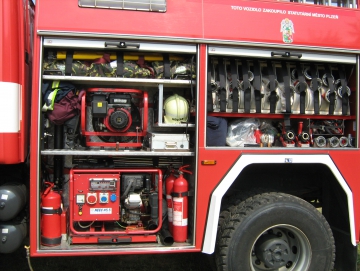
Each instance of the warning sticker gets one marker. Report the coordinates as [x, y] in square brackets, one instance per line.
[178, 215]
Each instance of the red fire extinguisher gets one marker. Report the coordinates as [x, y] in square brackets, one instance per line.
[169, 184]
[50, 216]
[180, 206]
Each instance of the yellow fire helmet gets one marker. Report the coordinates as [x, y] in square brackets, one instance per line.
[176, 109]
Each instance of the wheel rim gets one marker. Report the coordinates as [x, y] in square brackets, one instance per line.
[281, 247]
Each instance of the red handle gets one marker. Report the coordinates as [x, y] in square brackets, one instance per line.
[181, 169]
[48, 189]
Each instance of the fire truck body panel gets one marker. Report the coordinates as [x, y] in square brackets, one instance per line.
[100, 176]
[213, 21]
[307, 19]
[14, 80]
[245, 160]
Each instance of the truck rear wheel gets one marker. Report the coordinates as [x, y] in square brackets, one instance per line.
[275, 231]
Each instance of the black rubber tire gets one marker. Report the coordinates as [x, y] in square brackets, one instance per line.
[229, 204]
[252, 217]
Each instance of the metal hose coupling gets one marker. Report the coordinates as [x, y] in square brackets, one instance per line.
[320, 142]
[215, 86]
[267, 85]
[334, 142]
[289, 135]
[307, 73]
[325, 79]
[297, 87]
[343, 141]
[251, 78]
[319, 84]
[267, 139]
[294, 74]
[327, 95]
[304, 137]
[339, 89]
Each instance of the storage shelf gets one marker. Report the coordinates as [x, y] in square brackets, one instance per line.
[133, 82]
[184, 125]
[278, 116]
[98, 152]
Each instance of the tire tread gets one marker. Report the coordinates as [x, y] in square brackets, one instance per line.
[239, 208]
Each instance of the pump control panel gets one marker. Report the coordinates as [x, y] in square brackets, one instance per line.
[96, 197]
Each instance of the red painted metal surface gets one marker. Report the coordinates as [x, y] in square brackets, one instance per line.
[15, 45]
[114, 239]
[240, 21]
[10, 148]
[34, 153]
[12, 41]
[82, 176]
[207, 20]
[80, 182]
[260, 22]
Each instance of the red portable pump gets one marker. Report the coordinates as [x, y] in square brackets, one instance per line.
[50, 216]
[169, 184]
[180, 206]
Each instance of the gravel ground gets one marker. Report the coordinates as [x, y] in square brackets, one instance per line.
[173, 262]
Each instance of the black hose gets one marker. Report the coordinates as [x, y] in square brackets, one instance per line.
[124, 195]
[165, 237]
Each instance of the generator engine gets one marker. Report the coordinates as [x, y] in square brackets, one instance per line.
[114, 117]
[113, 113]
[137, 204]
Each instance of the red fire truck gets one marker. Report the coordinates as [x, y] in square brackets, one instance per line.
[222, 127]
[16, 41]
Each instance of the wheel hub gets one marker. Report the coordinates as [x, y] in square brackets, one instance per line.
[272, 251]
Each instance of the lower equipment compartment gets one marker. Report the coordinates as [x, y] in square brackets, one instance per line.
[106, 208]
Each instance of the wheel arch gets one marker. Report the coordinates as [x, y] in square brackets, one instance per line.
[249, 159]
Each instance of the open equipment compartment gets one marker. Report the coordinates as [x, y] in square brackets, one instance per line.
[284, 96]
[110, 184]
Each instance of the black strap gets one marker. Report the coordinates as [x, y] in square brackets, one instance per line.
[222, 85]
[166, 66]
[183, 194]
[246, 85]
[287, 122]
[315, 88]
[273, 96]
[210, 105]
[68, 62]
[120, 64]
[257, 85]
[235, 88]
[286, 79]
[51, 211]
[332, 94]
[345, 95]
[302, 87]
